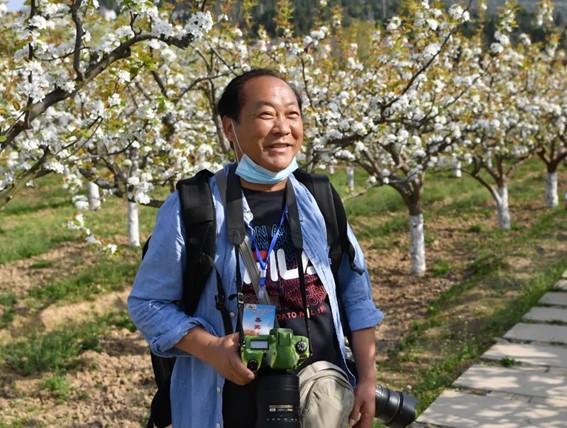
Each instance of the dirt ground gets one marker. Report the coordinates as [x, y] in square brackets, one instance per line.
[113, 388]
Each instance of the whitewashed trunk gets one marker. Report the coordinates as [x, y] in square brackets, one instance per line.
[93, 194]
[331, 169]
[503, 208]
[489, 158]
[417, 244]
[350, 177]
[457, 171]
[133, 225]
[551, 196]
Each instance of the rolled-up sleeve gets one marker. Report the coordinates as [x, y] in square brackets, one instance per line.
[355, 291]
[158, 286]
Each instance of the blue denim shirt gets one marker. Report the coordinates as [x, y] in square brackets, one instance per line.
[196, 388]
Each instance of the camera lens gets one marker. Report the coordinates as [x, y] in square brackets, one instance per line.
[278, 401]
[394, 408]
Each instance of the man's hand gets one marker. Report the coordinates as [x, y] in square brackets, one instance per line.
[222, 353]
[363, 410]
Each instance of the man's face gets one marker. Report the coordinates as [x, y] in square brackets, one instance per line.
[270, 129]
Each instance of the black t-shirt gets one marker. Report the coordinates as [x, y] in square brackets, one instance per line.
[283, 288]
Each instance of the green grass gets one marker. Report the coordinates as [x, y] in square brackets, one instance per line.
[60, 350]
[110, 274]
[7, 308]
[58, 386]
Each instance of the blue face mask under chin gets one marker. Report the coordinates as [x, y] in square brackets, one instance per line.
[250, 171]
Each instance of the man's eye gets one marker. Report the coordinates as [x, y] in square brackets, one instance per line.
[293, 115]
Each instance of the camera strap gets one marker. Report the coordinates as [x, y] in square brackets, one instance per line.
[237, 237]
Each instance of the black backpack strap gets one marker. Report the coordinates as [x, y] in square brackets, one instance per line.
[198, 215]
[332, 208]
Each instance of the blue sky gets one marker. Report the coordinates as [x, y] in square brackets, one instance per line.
[15, 5]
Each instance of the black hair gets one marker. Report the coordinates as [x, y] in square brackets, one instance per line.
[232, 99]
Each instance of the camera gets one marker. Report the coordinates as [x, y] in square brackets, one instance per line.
[277, 396]
[280, 350]
[394, 409]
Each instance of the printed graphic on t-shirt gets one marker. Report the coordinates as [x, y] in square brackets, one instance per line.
[282, 277]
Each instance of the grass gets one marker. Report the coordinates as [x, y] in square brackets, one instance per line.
[489, 291]
[107, 275]
[58, 386]
[60, 350]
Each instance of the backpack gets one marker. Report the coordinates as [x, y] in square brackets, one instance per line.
[198, 216]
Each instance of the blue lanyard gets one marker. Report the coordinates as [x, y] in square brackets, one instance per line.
[264, 263]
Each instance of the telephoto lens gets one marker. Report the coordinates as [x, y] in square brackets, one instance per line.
[278, 400]
[394, 408]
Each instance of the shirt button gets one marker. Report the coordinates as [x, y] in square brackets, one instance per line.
[218, 389]
[217, 425]
[232, 314]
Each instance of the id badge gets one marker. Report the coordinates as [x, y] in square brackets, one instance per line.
[258, 319]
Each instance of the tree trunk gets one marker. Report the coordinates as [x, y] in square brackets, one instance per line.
[457, 171]
[133, 226]
[350, 178]
[503, 208]
[551, 197]
[417, 244]
[93, 194]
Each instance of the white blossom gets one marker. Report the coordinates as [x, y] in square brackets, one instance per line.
[124, 32]
[81, 202]
[496, 48]
[123, 76]
[199, 23]
[394, 23]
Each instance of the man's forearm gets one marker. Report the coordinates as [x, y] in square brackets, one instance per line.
[196, 342]
[364, 351]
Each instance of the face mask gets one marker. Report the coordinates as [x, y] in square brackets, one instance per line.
[254, 173]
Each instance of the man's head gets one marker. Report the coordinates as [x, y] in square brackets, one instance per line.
[261, 117]
[233, 97]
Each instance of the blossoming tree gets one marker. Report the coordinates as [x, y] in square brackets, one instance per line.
[60, 51]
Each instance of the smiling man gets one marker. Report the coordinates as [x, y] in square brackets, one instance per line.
[211, 386]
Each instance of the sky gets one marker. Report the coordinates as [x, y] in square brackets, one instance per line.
[14, 5]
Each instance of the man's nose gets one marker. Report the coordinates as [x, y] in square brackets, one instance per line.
[282, 124]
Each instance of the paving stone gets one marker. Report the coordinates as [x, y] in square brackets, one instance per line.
[538, 332]
[526, 381]
[547, 314]
[561, 284]
[460, 410]
[558, 298]
[552, 402]
[531, 353]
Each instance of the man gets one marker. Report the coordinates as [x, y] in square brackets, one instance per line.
[261, 117]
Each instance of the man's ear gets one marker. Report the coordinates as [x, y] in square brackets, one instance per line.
[228, 129]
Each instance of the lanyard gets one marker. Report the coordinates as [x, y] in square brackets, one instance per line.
[264, 263]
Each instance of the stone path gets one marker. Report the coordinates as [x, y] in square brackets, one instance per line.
[521, 382]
